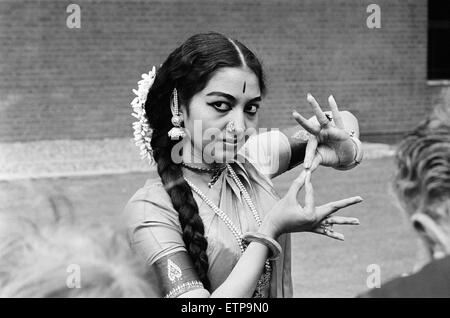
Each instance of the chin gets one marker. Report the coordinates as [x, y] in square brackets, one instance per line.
[224, 154]
[221, 152]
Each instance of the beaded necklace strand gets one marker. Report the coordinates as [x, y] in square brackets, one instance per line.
[265, 278]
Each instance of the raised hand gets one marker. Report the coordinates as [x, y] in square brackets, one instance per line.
[289, 216]
[329, 142]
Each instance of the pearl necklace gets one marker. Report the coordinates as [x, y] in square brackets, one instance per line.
[245, 194]
[265, 278]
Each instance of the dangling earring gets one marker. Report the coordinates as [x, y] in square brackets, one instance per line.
[177, 131]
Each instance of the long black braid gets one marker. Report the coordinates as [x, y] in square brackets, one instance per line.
[188, 69]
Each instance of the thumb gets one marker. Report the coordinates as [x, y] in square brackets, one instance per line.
[316, 161]
[310, 151]
[309, 195]
[297, 184]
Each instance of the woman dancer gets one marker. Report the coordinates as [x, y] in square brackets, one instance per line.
[208, 220]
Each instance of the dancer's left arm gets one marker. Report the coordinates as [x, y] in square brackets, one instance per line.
[328, 139]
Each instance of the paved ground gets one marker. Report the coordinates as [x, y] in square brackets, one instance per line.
[327, 268]
[321, 267]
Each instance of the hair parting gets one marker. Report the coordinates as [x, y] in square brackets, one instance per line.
[188, 69]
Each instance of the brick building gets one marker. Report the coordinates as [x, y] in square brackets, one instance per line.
[62, 83]
[65, 93]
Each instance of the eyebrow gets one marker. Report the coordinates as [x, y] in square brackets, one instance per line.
[231, 97]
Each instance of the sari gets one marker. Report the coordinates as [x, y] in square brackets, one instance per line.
[155, 233]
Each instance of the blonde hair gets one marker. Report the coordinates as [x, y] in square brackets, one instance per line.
[39, 261]
[422, 181]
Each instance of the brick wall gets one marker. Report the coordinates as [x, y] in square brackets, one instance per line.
[440, 95]
[61, 83]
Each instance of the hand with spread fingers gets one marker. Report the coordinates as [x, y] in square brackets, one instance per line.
[332, 137]
[288, 216]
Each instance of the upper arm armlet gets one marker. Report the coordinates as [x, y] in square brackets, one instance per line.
[177, 275]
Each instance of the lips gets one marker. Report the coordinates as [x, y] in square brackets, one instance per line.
[234, 140]
[230, 141]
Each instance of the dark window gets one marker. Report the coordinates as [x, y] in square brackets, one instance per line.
[438, 39]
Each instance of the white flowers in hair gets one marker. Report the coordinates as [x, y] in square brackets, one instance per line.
[142, 130]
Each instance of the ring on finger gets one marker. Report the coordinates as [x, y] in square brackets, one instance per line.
[327, 228]
[326, 120]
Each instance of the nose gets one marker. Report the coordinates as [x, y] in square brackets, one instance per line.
[239, 123]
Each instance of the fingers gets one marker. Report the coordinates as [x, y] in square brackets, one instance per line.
[336, 114]
[310, 151]
[308, 126]
[334, 134]
[309, 193]
[326, 226]
[337, 205]
[332, 234]
[332, 207]
[297, 184]
[341, 220]
[320, 115]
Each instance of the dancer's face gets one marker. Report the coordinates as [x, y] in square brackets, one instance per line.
[231, 95]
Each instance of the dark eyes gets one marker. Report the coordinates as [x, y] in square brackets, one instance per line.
[251, 109]
[221, 106]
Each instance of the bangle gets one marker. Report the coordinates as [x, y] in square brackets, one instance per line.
[358, 155]
[273, 245]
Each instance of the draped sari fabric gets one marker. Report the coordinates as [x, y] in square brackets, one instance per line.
[155, 232]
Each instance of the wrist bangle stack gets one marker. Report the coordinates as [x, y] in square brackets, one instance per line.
[358, 155]
[273, 246]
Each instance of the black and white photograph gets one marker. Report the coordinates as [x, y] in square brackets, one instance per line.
[239, 149]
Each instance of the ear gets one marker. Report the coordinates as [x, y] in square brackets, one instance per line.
[432, 233]
[172, 108]
[182, 110]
